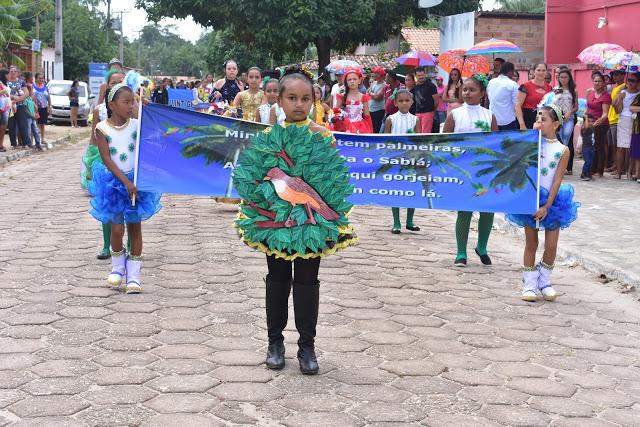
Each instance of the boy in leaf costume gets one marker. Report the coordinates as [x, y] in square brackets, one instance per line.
[294, 186]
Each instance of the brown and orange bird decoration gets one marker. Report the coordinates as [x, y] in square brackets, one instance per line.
[297, 192]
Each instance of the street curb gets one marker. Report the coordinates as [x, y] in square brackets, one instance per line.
[21, 154]
[576, 257]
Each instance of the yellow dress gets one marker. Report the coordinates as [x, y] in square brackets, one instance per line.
[318, 114]
[249, 103]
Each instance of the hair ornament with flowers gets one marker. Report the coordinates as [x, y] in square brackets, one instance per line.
[482, 79]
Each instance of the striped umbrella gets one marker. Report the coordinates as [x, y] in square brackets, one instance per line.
[417, 59]
[468, 65]
[493, 46]
[597, 53]
[629, 61]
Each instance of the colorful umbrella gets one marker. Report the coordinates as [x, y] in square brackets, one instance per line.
[629, 61]
[338, 66]
[597, 53]
[468, 65]
[493, 46]
[417, 59]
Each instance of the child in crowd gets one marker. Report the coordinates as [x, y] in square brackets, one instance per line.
[276, 173]
[472, 117]
[270, 100]
[557, 209]
[115, 198]
[249, 100]
[355, 104]
[399, 123]
[320, 110]
[588, 147]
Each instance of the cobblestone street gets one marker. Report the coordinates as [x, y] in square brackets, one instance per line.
[404, 338]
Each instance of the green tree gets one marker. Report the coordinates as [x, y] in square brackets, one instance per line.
[83, 37]
[289, 27]
[526, 6]
[10, 31]
[164, 52]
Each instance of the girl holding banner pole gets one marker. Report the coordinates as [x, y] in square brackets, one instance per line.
[401, 122]
[472, 117]
[115, 198]
[557, 208]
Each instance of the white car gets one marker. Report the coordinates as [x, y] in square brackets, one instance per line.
[60, 111]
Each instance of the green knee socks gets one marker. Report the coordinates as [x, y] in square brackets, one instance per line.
[106, 238]
[485, 224]
[410, 212]
[396, 217]
[463, 223]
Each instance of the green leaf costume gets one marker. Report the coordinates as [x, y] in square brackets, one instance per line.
[316, 174]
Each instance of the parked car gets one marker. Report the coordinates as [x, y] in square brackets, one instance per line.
[60, 111]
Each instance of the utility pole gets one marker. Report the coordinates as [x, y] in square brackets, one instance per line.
[58, 68]
[108, 20]
[139, 42]
[121, 40]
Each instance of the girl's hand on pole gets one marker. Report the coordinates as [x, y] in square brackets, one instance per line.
[132, 190]
[541, 213]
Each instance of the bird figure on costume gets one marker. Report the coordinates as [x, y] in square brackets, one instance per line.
[297, 192]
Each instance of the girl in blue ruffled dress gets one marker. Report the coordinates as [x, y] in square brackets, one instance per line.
[115, 197]
[557, 209]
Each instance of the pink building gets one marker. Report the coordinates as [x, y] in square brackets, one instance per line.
[570, 26]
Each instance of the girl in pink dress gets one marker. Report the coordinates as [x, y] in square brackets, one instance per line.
[354, 104]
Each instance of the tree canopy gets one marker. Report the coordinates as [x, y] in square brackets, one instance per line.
[10, 30]
[528, 6]
[283, 28]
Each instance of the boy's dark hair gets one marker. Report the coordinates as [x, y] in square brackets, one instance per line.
[500, 60]
[507, 67]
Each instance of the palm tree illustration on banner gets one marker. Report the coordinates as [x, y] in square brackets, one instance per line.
[430, 159]
[216, 143]
[510, 165]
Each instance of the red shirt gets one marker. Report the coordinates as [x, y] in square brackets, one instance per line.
[594, 105]
[534, 94]
[389, 104]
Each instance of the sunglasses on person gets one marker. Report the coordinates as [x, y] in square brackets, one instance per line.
[632, 81]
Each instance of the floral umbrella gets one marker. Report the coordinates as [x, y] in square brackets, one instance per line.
[417, 59]
[629, 61]
[468, 65]
[597, 53]
[339, 65]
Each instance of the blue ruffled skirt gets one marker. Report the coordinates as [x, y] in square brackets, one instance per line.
[561, 214]
[111, 203]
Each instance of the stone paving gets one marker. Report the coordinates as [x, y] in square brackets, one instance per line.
[403, 339]
[605, 238]
[55, 134]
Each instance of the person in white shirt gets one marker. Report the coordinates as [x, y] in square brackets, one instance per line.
[335, 90]
[503, 95]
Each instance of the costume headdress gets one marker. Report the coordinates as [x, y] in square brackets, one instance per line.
[351, 70]
[558, 112]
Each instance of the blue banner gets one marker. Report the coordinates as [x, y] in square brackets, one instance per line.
[181, 98]
[186, 152]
